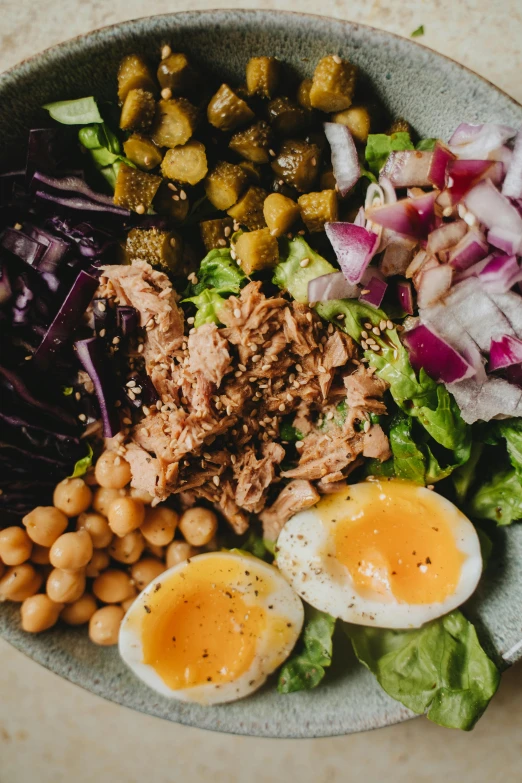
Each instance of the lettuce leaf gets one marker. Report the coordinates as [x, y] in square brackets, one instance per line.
[499, 499]
[219, 271]
[209, 302]
[290, 276]
[379, 146]
[439, 669]
[307, 669]
[80, 111]
[426, 145]
[82, 465]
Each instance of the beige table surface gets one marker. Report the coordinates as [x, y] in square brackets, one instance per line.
[53, 732]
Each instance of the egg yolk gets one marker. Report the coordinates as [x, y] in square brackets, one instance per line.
[197, 628]
[394, 539]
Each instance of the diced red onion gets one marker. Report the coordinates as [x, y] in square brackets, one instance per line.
[500, 274]
[493, 209]
[479, 141]
[471, 248]
[446, 236]
[405, 296]
[441, 158]
[332, 286]
[474, 270]
[433, 283]
[464, 174]
[412, 217]
[390, 196]
[504, 352]
[512, 186]
[345, 161]
[514, 374]
[373, 292]
[354, 247]
[508, 241]
[438, 358]
[408, 168]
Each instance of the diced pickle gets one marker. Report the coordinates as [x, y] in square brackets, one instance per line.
[318, 209]
[333, 84]
[303, 94]
[262, 76]
[327, 180]
[280, 213]
[249, 209]
[142, 151]
[400, 126]
[138, 110]
[256, 250]
[357, 120]
[286, 117]
[297, 164]
[168, 202]
[225, 184]
[135, 189]
[176, 74]
[134, 74]
[227, 111]
[253, 143]
[159, 248]
[186, 164]
[252, 170]
[174, 123]
[216, 233]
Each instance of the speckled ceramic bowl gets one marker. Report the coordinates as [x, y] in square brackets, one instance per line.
[434, 94]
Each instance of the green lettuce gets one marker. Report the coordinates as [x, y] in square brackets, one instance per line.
[499, 499]
[379, 146]
[290, 433]
[306, 670]
[290, 276]
[464, 476]
[219, 271]
[439, 669]
[209, 302]
[80, 111]
[426, 145]
[82, 465]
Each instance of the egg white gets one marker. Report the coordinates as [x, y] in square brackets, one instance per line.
[306, 557]
[284, 603]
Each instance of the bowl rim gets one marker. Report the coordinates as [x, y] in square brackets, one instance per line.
[242, 15]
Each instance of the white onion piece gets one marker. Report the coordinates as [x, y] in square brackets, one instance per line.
[508, 241]
[512, 186]
[408, 168]
[374, 196]
[500, 274]
[487, 399]
[479, 141]
[450, 329]
[332, 286]
[390, 196]
[345, 161]
[504, 352]
[360, 218]
[433, 284]
[476, 312]
[417, 263]
[493, 209]
[354, 247]
[445, 236]
[511, 306]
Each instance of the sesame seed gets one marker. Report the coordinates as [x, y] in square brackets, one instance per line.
[364, 334]
[366, 426]
[28, 358]
[256, 358]
[447, 211]
[242, 367]
[237, 313]
[141, 348]
[309, 317]
[183, 195]
[389, 324]
[367, 326]
[282, 407]
[115, 340]
[364, 345]
[365, 291]
[227, 231]
[130, 384]
[252, 379]
[336, 59]
[298, 368]
[236, 225]
[175, 198]
[216, 480]
[126, 420]
[299, 445]
[329, 415]
[82, 417]
[17, 226]
[172, 186]
[382, 325]
[314, 161]
[191, 320]
[166, 51]
[103, 332]
[271, 153]
[376, 330]
[146, 410]
[101, 306]
[265, 367]
[321, 368]
[166, 94]
[140, 209]
[304, 262]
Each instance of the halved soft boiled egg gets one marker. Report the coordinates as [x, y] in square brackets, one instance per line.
[389, 554]
[211, 629]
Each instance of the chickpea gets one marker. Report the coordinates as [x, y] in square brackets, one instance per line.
[104, 625]
[40, 555]
[103, 498]
[113, 586]
[126, 605]
[97, 527]
[125, 515]
[160, 525]
[198, 525]
[145, 571]
[178, 552]
[71, 551]
[65, 587]
[2, 569]
[20, 582]
[99, 561]
[15, 546]
[72, 496]
[44, 524]
[79, 612]
[141, 494]
[112, 471]
[39, 613]
[156, 551]
[127, 549]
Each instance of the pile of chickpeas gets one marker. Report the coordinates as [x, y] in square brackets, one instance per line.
[85, 558]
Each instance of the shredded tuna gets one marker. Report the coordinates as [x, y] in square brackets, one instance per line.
[296, 496]
[208, 352]
[376, 444]
[363, 389]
